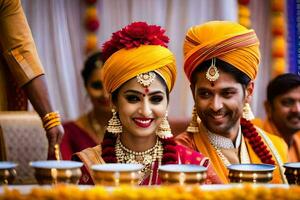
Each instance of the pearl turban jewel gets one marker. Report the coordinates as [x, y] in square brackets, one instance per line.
[225, 40]
[126, 64]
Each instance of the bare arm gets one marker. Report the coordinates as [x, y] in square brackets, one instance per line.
[37, 93]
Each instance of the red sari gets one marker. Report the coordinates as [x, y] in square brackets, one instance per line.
[74, 140]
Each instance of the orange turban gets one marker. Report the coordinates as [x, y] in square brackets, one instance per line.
[227, 41]
[125, 64]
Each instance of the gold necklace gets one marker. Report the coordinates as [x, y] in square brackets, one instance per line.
[146, 158]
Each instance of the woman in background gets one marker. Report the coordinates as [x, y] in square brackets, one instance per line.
[88, 130]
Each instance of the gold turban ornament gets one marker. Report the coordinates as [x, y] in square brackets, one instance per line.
[225, 40]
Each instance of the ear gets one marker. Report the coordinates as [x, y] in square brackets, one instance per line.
[192, 87]
[268, 109]
[249, 92]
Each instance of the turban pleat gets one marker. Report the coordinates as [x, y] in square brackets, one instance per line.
[125, 64]
[227, 41]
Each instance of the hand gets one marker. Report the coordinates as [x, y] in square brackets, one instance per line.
[54, 136]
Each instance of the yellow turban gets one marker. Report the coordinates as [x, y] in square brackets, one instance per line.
[125, 64]
[227, 41]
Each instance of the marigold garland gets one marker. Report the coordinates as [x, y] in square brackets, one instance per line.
[134, 35]
[244, 13]
[278, 38]
[91, 23]
[246, 191]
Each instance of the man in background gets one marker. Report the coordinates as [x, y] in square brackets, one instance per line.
[283, 112]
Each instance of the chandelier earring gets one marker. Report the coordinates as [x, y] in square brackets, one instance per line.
[247, 112]
[114, 124]
[164, 130]
[193, 126]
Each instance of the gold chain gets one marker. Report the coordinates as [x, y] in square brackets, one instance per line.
[146, 158]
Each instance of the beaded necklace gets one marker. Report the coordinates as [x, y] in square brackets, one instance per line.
[169, 153]
[146, 158]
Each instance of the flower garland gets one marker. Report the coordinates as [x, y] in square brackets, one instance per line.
[278, 38]
[134, 35]
[244, 13]
[109, 153]
[261, 150]
[91, 23]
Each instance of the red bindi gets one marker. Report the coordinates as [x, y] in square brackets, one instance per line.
[212, 84]
[146, 90]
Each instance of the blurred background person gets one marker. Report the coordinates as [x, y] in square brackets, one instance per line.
[283, 112]
[88, 130]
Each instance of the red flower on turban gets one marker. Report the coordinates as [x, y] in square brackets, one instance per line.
[134, 35]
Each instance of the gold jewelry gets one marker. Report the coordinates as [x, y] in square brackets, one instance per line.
[114, 124]
[146, 158]
[212, 73]
[145, 79]
[51, 120]
[193, 126]
[247, 112]
[164, 130]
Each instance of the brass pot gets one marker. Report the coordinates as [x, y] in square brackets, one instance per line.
[182, 174]
[7, 172]
[292, 172]
[250, 173]
[115, 174]
[53, 172]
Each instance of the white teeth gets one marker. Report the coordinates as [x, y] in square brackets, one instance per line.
[143, 121]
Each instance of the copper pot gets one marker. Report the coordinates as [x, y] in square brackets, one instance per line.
[182, 174]
[292, 172]
[115, 174]
[7, 172]
[53, 172]
[250, 173]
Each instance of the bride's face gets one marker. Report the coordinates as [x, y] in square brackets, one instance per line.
[141, 109]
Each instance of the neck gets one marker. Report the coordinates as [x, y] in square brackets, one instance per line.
[138, 144]
[230, 133]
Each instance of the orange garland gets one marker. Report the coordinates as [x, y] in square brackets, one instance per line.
[91, 23]
[244, 13]
[278, 38]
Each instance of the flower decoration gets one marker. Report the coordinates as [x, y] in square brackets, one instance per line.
[244, 13]
[278, 37]
[91, 24]
[135, 35]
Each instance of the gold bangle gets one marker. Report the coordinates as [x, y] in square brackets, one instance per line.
[50, 118]
[51, 114]
[52, 125]
[52, 121]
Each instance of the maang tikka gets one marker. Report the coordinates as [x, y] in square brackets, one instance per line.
[145, 79]
[212, 73]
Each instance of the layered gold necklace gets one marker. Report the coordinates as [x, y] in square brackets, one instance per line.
[146, 158]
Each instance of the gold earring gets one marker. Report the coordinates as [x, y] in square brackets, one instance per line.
[247, 112]
[164, 130]
[193, 126]
[114, 124]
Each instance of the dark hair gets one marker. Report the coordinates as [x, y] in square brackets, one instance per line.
[90, 64]
[114, 95]
[238, 75]
[281, 85]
